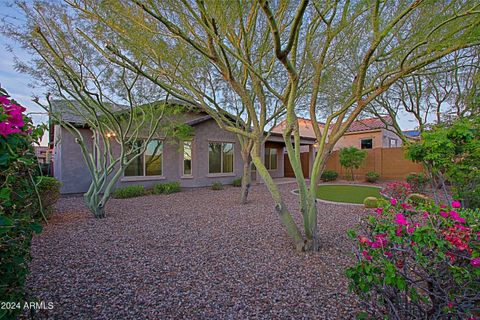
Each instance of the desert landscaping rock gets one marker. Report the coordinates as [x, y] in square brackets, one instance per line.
[198, 254]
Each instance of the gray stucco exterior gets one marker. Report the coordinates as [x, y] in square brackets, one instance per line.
[71, 170]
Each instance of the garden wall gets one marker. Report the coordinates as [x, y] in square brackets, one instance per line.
[390, 163]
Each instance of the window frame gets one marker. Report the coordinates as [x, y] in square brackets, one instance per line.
[269, 167]
[144, 168]
[187, 175]
[361, 140]
[390, 140]
[221, 173]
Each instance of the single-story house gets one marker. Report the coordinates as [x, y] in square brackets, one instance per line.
[212, 155]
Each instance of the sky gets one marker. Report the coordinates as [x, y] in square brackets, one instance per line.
[19, 85]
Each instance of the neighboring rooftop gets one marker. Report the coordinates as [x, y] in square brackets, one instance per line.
[411, 133]
[370, 124]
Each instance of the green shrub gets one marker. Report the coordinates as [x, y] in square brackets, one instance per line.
[129, 192]
[49, 189]
[329, 175]
[167, 187]
[372, 176]
[217, 186]
[370, 202]
[417, 181]
[237, 182]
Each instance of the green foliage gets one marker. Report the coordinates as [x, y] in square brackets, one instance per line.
[418, 181]
[352, 158]
[129, 192]
[167, 187]
[370, 202]
[217, 186]
[18, 200]
[329, 175]
[372, 176]
[49, 189]
[453, 151]
[417, 199]
[237, 182]
[402, 247]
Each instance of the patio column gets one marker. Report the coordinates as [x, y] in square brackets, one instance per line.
[311, 159]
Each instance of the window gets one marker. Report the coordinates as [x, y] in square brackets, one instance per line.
[220, 157]
[393, 143]
[187, 158]
[148, 164]
[271, 158]
[366, 143]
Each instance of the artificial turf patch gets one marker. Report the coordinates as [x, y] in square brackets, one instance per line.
[347, 193]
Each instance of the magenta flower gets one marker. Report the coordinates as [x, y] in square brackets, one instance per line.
[366, 255]
[444, 214]
[393, 202]
[455, 216]
[379, 211]
[406, 206]
[4, 100]
[442, 206]
[426, 215]
[6, 129]
[398, 232]
[451, 257]
[475, 262]
[456, 204]
[401, 220]
[388, 254]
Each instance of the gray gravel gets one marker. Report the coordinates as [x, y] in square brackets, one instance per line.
[195, 254]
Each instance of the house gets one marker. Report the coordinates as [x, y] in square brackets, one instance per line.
[212, 155]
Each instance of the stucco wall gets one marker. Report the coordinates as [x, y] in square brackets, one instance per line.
[380, 139]
[70, 167]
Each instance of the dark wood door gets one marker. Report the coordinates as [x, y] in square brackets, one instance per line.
[288, 170]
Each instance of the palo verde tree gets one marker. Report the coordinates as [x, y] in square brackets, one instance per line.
[108, 100]
[336, 57]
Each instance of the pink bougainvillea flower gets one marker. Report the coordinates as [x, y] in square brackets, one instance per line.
[451, 256]
[455, 216]
[6, 129]
[393, 202]
[4, 100]
[406, 206]
[401, 220]
[379, 211]
[426, 215]
[366, 255]
[410, 230]
[478, 235]
[14, 108]
[456, 204]
[364, 240]
[442, 206]
[380, 241]
[398, 232]
[460, 227]
[388, 254]
[450, 305]
[444, 214]
[475, 262]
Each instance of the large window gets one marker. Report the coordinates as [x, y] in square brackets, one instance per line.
[148, 164]
[271, 155]
[366, 143]
[187, 158]
[220, 157]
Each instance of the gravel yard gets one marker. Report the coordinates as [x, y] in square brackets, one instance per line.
[194, 254]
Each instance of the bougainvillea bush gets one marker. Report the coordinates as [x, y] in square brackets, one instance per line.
[397, 190]
[419, 262]
[19, 202]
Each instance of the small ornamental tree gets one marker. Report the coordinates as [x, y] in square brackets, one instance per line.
[352, 158]
[19, 200]
[420, 262]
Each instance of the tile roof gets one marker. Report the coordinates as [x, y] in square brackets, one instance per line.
[369, 124]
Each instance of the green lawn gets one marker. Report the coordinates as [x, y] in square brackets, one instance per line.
[346, 193]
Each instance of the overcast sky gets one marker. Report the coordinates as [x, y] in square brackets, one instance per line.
[19, 85]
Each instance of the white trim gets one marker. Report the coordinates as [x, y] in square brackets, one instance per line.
[141, 178]
[190, 175]
[218, 175]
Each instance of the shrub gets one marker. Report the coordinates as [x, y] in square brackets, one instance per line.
[167, 187]
[372, 176]
[237, 182]
[417, 181]
[418, 262]
[370, 202]
[19, 203]
[217, 186]
[49, 189]
[417, 198]
[329, 175]
[397, 190]
[129, 192]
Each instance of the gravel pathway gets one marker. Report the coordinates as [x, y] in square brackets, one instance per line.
[192, 255]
